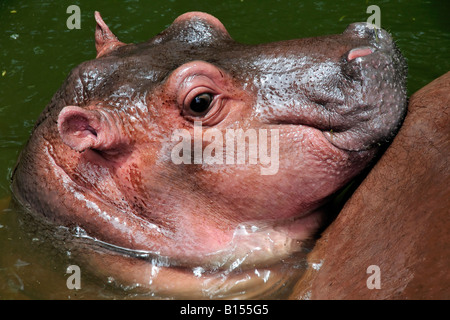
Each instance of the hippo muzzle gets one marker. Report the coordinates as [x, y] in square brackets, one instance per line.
[351, 92]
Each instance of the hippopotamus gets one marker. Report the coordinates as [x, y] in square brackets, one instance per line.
[120, 152]
[395, 225]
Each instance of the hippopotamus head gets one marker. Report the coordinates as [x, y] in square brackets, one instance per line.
[207, 152]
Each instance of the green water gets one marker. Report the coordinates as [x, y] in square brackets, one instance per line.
[37, 51]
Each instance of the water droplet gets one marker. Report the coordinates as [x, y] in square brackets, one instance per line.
[38, 50]
[20, 263]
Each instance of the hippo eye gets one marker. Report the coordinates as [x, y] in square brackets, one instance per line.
[201, 103]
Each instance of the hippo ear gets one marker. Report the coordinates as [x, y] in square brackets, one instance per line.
[105, 40]
[83, 129]
[195, 28]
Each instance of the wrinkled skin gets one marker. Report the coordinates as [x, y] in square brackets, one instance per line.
[398, 218]
[99, 156]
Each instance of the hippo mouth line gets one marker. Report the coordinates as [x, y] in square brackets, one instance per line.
[95, 243]
[328, 136]
[226, 260]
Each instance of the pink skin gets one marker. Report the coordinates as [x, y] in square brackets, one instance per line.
[110, 171]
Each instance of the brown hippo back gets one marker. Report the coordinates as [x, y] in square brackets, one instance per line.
[398, 219]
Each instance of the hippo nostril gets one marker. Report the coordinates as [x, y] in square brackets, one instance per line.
[358, 52]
